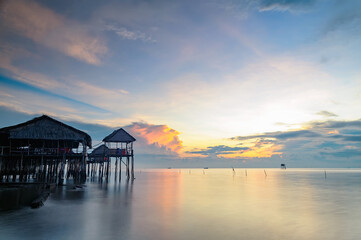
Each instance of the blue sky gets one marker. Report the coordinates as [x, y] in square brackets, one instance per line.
[215, 83]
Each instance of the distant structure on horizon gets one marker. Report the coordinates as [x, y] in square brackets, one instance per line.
[283, 166]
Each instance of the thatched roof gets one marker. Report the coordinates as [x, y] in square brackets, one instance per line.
[99, 151]
[119, 135]
[46, 128]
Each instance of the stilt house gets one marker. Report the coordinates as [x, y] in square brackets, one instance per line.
[41, 148]
[118, 145]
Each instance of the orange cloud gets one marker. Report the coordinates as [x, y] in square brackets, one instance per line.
[46, 27]
[255, 148]
[258, 149]
[265, 151]
[333, 132]
[160, 135]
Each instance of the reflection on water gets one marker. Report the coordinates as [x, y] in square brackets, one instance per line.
[199, 204]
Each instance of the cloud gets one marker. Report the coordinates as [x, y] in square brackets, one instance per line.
[334, 124]
[244, 7]
[44, 26]
[337, 38]
[11, 116]
[86, 88]
[60, 87]
[349, 138]
[260, 148]
[11, 54]
[323, 142]
[130, 35]
[285, 5]
[327, 114]
[218, 150]
[347, 153]
[39, 91]
[280, 135]
[347, 18]
[157, 136]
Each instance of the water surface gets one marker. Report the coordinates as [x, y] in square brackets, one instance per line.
[199, 204]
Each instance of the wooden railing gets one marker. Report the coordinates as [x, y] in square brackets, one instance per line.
[120, 152]
[37, 151]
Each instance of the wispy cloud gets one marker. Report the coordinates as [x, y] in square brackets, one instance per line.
[326, 114]
[130, 35]
[347, 153]
[40, 91]
[11, 54]
[85, 87]
[347, 19]
[44, 26]
[285, 5]
[280, 135]
[59, 87]
[244, 8]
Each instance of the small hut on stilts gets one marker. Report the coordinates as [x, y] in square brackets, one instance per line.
[118, 145]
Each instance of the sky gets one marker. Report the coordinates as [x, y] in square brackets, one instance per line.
[248, 83]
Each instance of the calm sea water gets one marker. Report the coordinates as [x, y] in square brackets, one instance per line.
[200, 204]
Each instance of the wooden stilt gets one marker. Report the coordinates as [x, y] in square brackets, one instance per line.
[120, 168]
[133, 167]
[128, 175]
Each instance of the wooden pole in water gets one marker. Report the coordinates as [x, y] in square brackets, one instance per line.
[116, 169]
[265, 173]
[128, 175]
[325, 174]
[88, 165]
[120, 168]
[83, 166]
[132, 166]
[107, 170]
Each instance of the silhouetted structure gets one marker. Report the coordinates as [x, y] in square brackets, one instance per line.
[118, 145]
[97, 159]
[283, 166]
[41, 149]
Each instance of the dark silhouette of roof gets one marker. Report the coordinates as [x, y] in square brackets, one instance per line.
[46, 128]
[99, 151]
[119, 135]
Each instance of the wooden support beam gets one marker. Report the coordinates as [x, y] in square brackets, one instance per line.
[128, 175]
[133, 167]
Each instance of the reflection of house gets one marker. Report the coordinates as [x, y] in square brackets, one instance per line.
[117, 145]
[40, 148]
